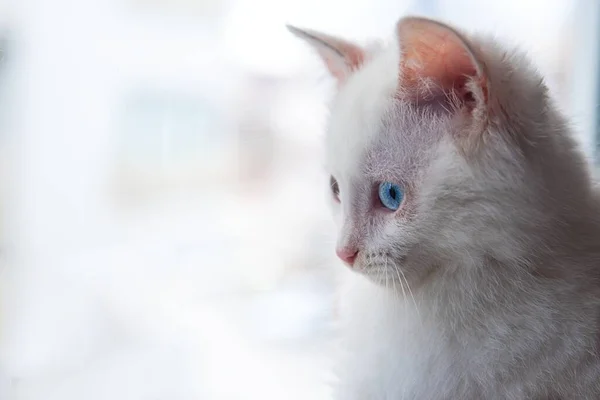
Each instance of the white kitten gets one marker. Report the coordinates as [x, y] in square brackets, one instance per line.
[470, 220]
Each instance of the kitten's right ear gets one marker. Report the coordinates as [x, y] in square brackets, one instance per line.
[340, 56]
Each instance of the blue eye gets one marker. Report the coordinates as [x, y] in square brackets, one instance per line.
[390, 195]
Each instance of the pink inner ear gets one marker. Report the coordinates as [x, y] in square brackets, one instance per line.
[353, 57]
[432, 51]
[340, 56]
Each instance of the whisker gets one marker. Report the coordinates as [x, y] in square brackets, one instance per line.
[396, 293]
[411, 293]
[385, 268]
[400, 280]
[386, 278]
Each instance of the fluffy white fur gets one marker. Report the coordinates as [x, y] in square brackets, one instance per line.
[485, 284]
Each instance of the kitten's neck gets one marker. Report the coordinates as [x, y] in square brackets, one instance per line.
[483, 286]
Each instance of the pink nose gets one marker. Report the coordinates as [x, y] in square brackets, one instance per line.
[347, 254]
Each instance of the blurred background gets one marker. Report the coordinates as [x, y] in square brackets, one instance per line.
[164, 231]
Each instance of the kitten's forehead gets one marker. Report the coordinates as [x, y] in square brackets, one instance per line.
[405, 141]
[376, 135]
[358, 111]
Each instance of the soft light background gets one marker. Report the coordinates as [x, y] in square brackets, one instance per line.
[164, 229]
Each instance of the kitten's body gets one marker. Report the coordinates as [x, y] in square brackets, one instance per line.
[540, 343]
[498, 236]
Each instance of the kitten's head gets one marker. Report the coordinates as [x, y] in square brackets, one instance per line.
[441, 148]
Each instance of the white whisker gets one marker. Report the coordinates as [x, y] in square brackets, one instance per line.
[400, 281]
[411, 293]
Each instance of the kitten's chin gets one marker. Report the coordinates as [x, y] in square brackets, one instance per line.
[389, 275]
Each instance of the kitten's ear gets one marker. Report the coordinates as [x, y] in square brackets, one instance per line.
[437, 62]
[340, 56]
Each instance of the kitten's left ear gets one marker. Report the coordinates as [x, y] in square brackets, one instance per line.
[439, 62]
[340, 56]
